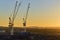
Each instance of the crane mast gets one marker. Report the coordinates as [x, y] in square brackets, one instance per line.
[25, 19]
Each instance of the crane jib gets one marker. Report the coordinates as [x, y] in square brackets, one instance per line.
[27, 12]
[16, 11]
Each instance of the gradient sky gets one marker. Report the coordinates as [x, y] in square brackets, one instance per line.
[44, 13]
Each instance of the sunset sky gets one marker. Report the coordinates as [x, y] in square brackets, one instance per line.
[45, 13]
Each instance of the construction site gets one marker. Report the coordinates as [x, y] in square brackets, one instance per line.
[26, 33]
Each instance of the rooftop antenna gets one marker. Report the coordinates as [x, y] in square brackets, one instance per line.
[25, 19]
[11, 20]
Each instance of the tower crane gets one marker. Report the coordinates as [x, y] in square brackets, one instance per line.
[11, 19]
[25, 19]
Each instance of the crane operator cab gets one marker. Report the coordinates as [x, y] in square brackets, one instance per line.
[24, 23]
